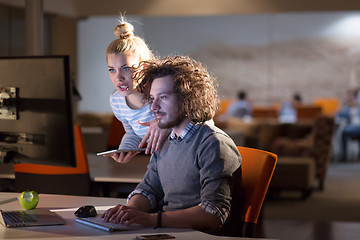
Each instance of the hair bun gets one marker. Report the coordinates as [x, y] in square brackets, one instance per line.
[124, 30]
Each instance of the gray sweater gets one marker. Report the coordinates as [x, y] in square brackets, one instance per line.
[192, 171]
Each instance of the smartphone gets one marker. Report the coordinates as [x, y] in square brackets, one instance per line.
[154, 236]
[121, 150]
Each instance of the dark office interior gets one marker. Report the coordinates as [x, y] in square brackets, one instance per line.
[313, 194]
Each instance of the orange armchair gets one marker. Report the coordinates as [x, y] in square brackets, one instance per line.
[250, 185]
[315, 146]
[116, 132]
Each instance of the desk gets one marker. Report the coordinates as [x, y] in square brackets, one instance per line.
[108, 175]
[111, 176]
[66, 205]
[103, 169]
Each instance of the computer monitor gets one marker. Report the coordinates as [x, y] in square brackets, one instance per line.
[36, 124]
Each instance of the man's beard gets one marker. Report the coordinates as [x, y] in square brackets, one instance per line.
[171, 123]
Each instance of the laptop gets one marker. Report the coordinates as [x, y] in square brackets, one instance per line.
[97, 222]
[28, 218]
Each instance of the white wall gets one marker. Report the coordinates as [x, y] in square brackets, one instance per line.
[95, 86]
[270, 55]
[169, 35]
[184, 35]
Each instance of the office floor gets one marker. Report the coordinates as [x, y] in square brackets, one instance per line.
[310, 230]
[332, 214]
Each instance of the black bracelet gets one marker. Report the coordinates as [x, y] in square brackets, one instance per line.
[158, 223]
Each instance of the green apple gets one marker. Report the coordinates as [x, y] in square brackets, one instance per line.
[29, 199]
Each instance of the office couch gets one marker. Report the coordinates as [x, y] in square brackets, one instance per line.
[303, 149]
[315, 146]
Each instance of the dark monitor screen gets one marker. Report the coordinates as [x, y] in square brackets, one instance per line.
[36, 124]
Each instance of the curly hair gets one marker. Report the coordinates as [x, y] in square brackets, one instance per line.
[194, 85]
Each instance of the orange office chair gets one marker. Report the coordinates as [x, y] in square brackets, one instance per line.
[308, 112]
[116, 132]
[250, 185]
[56, 179]
[265, 112]
[329, 105]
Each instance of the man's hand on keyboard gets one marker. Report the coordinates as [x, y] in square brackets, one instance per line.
[126, 215]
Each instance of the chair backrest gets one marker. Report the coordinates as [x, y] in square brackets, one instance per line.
[257, 169]
[308, 112]
[224, 104]
[250, 184]
[329, 105]
[116, 132]
[56, 179]
[264, 113]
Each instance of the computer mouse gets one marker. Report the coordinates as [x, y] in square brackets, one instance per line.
[86, 211]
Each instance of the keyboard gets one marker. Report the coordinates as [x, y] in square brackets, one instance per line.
[18, 217]
[97, 222]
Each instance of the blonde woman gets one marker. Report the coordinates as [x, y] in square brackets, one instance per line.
[123, 55]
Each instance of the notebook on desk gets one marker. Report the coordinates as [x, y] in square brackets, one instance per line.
[97, 222]
[28, 218]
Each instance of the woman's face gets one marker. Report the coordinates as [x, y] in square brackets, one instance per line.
[121, 71]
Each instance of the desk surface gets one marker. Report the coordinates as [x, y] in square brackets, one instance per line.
[103, 169]
[66, 206]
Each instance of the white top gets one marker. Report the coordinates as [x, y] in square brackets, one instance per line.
[129, 117]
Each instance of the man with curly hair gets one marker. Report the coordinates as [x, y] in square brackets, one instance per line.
[188, 181]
